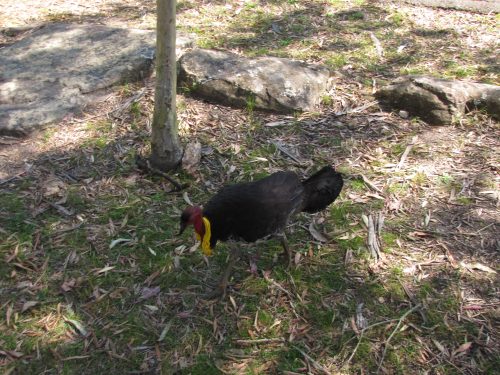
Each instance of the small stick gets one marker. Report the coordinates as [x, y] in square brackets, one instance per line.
[178, 186]
[371, 185]
[375, 325]
[394, 332]
[260, 341]
[145, 164]
[406, 153]
[314, 362]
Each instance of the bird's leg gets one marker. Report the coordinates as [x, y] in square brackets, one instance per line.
[287, 252]
[220, 289]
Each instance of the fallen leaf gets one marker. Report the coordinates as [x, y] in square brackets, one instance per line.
[316, 234]
[297, 257]
[8, 314]
[233, 302]
[394, 204]
[259, 158]
[186, 198]
[463, 348]
[361, 321]
[68, 285]
[119, 240]
[13, 255]
[477, 266]
[418, 234]
[11, 353]
[72, 258]
[105, 269]
[165, 331]
[440, 346]
[151, 308]
[147, 292]
[79, 326]
[152, 251]
[275, 123]
[365, 219]
[357, 198]
[28, 305]
[184, 314]
[374, 195]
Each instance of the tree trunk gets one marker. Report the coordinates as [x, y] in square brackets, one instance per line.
[166, 151]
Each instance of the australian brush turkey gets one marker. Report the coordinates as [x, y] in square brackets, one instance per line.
[254, 210]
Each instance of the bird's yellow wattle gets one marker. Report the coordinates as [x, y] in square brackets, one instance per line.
[205, 241]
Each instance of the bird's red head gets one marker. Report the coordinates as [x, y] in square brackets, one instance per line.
[192, 215]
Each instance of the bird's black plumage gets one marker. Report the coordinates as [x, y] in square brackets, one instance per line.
[321, 189]
[253, 210]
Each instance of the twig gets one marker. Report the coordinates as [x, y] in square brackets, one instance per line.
[12, 178]
[178, 186]
[259, 341]
[312, 360]
[357, 345]
[406, 153]
[394, 332]
[371, 185]
[362, 332]
[145, 164]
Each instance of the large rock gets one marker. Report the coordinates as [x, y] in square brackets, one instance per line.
[271, 83]
[60, 67]
[437, 101]
[481, 6]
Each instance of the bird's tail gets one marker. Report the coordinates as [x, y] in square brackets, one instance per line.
[321, 189]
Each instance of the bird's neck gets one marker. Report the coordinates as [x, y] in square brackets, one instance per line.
[199, 227]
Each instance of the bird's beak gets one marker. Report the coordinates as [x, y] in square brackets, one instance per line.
[182, 228]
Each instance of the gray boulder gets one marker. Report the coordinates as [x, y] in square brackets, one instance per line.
[436, 100]
[481, 6]
[271, 83]
[59, 68]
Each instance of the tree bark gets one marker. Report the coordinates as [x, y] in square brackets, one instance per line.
[166, 151]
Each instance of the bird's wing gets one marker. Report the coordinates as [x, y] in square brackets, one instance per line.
[256, 209]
